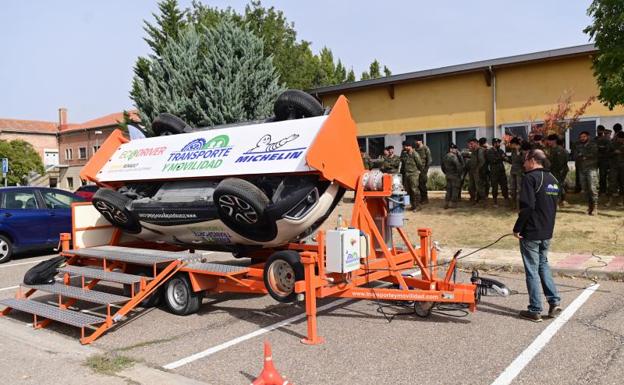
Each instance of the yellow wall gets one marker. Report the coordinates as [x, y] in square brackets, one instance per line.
[524, 93]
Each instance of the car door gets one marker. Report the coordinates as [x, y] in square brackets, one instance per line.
[58, 204]
[23, 215]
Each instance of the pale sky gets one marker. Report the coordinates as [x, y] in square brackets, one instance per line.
[79, 54]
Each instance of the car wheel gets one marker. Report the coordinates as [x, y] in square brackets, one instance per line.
[6, 249]
[180, 297]
[112, 205]
[296, 104]
[152, 301]
[167, 124]
[281, 271]
[241, 205]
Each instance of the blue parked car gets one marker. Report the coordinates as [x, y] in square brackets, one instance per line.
[31, 218]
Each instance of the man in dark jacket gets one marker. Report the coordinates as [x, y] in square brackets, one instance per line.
[534, 228]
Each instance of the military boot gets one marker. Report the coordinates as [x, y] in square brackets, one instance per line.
[495, 202]
[593, 210]
[446, 205]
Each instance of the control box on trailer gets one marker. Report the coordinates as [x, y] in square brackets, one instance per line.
[343, 250]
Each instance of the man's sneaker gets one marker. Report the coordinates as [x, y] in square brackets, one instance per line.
[554, 311]
[531, 316]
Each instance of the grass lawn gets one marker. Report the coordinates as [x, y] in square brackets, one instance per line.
[469, 226]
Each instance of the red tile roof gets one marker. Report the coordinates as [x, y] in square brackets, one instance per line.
[26, 126]
[104, 121]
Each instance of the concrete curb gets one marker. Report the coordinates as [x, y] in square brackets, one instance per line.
[576, 273]
[63, 348]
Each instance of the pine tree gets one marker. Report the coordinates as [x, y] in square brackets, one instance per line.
[365, 76]
[387, 71]
[373, 70]
[351, 76]
[340, 75]
[326, 69]
[168, 25]
[211, 77]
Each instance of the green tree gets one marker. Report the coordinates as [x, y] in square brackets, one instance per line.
[23, 159]
[340, 75]
[351, 76]
[374, 71]
[608, 63]
[214, 76]
[387, 71]
[169, 23]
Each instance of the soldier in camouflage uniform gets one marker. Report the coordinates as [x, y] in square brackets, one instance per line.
[604, 143]
[475, 165]
[485, 171]
[411, 167]
[391, 162]
[587, 158]
[616, 176]
[366, 160]
[452, 167]
[425, 156]
[515, 175]
[495, 157]
[558, 159]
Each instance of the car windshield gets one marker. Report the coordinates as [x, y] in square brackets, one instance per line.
[58, 200]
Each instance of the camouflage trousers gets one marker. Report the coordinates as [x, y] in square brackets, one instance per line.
[616, 180]
[453, 188]
[589, 183]
[476, 185]
[410, 183]
[499, 179]
[422, 184]
[515, 181]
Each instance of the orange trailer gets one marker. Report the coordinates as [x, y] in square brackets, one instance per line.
[120, 258]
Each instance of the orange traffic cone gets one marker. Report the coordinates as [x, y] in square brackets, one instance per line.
[269, 375]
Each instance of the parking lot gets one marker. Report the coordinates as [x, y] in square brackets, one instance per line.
[222, 344]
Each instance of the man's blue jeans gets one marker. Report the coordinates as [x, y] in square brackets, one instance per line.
[535, 258]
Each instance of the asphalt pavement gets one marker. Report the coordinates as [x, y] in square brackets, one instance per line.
[223, 343]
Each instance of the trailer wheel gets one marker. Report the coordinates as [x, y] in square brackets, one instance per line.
[180, 297]
[296, 104]
[423, 309]
[112, 205]
[168, 124]
[241, 205]
[281, 271]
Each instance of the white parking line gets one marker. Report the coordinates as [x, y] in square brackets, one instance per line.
[532, 350]
[21, 263]
[9, 288]
[246, 337]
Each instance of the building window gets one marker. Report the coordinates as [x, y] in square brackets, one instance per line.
[68, 154]
[438, 143]
[373, 145]
[83, 153]
[519, 130]
[95, 148]
[412, 138]
[70, 183]
[462, 138]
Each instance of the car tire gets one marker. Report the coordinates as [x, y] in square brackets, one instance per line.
[6, 249]
[179, 296]
[152, 301]
[240, 205]
[113, 206]
[281, 271]
[168, 124]
[296, 104]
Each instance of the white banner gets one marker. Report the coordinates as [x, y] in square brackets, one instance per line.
[266, 148]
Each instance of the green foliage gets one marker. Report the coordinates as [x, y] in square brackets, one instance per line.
[208, 77]
[436, 181]
[374, 71]
[351, 76]
[608, 63]
[23, 158]
[169, 24]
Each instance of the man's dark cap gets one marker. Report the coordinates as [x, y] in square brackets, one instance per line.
[482, 141]
[537, 137]
[407, 143]
[472, 140]
[515, 140]
[600, 128]
[553, 137]
[617, 127]
[496, 140]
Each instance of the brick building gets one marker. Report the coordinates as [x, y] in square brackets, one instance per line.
[64, 147]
